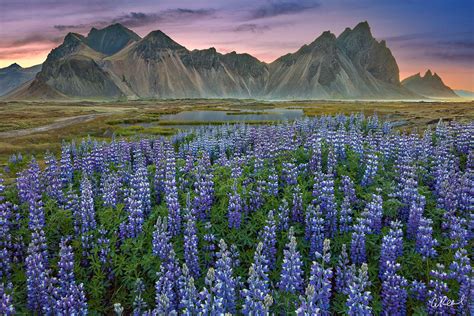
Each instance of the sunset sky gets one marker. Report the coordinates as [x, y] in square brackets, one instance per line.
[422, 34]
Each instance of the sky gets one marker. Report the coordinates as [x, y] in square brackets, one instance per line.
[422, 34]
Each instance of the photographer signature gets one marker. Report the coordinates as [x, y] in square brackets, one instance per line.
[436, 302]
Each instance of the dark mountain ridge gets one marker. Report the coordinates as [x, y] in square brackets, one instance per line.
[115, 62]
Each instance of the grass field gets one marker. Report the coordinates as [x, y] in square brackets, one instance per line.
[52, 122]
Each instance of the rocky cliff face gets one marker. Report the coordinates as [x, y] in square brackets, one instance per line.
[430, 85]
[353, 65]
[13, 76]
[115, 62]
[158, 67]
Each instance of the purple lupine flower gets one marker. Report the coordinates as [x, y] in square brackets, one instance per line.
[328, 204]
[160, 175]
[315, 159]
[110, 189]
[209, 245]
[272, 182]
[331, 162]
[320, 280]
[457, 232]
[66, 168]
[140, 184]
[69, 297]
[139, 305]
[283, 216]
[235, 256]
[235, 208]
[291, 278]
[314, 230]
[414, 215]
[204, 187]
[394, 293]
[392, 247]
[297, 207]
[257, 297]
[133, 227]
[268, 238]
[225, 287]
[161, 244]
[209, 304]
[425, 242]
[6, 225]
[418, 290]
[6, 303]
[307, 305]
[317, 188]
[358, 301]
[33, 197]
[289, 173]
[103, 252]
[345, 218]
[188, 303]
[358, 252]
[256, 198]
[371, 166]
[171, 195]
[375, 212]
[52, 178]
[344, 272]
[167, 285]
[72, 205]
[191, 257]
[348, 189]
[87, 216]
[461, 270]
[438, 291]
[37, 273]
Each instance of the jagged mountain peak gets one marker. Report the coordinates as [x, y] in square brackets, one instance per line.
[325, 38]
[13, 66]
[429, 85]
[160, 40]
[114, 61]
[363, 27]
[111, 39]
[73, 38]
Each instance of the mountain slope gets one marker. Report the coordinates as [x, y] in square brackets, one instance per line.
[13, 76]
[159, 67]
[465, 94]
[115, 62]
[111, 39]
[353, 65]
[72, 69]
[430, 85]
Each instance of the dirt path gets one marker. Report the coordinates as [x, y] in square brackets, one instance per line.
[60, 123]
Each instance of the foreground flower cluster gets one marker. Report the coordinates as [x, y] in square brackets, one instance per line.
[318, 216]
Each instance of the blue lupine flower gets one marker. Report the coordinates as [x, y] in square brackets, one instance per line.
[358, 301]
[257, 294]
[291, 278]
[394, 293]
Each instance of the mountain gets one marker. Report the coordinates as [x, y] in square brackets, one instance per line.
[13, 76]
[353, 65]
[465, 94]
[158, 67]
[115, 62]
[430, 85]
[111, 39]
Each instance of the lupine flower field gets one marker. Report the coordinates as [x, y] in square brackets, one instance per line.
[319, 216]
